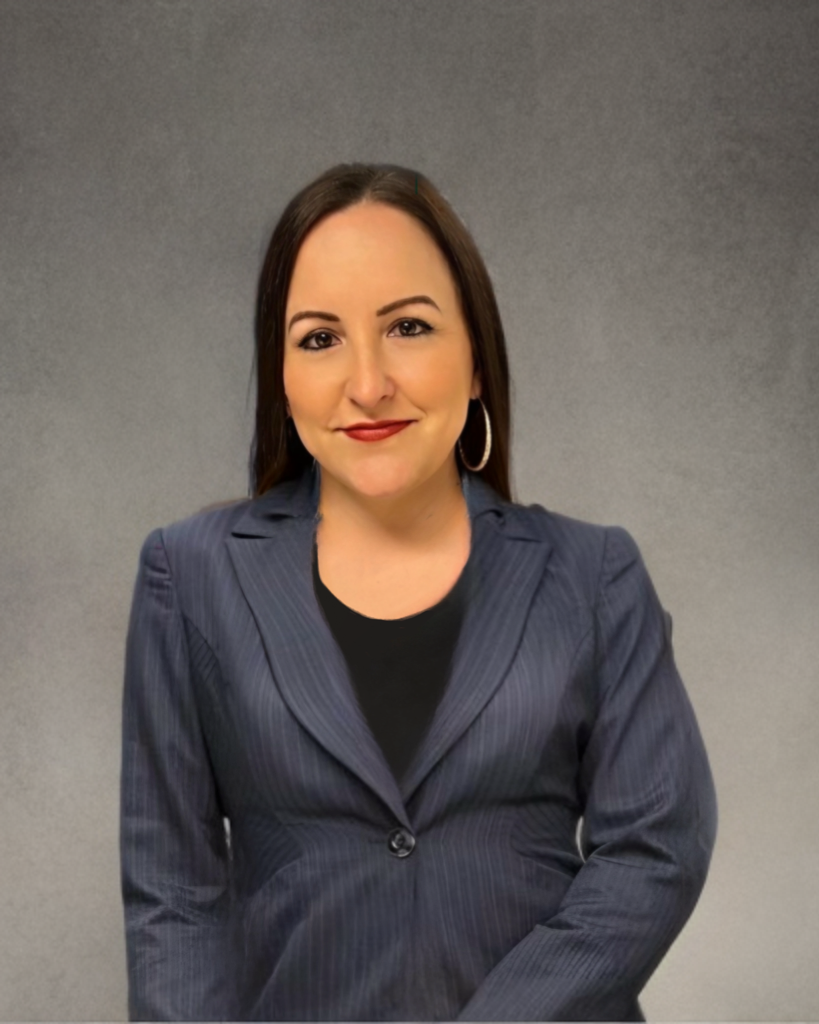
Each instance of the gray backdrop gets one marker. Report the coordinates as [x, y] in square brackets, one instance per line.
[643, 180]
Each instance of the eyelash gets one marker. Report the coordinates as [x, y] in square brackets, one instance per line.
[426, 329]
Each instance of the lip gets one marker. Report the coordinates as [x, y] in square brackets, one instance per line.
[377, 433]
[377, 425]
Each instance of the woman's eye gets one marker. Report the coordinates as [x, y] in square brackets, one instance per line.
[424, 329]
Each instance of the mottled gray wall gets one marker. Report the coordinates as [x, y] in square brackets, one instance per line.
[643, 179]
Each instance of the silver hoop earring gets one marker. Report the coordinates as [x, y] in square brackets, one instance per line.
[487, 446]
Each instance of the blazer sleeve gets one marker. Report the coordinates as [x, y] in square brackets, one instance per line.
[174, 854]
[649, 824]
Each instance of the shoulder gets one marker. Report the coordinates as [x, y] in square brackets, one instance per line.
[197, 537]
[584, 553]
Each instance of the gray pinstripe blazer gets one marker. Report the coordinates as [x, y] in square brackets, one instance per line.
[547, 845]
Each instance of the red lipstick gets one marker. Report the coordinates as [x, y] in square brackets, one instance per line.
[376, 431]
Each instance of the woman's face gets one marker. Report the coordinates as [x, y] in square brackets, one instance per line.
[361, 364]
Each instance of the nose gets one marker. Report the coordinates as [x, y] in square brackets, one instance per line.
[369, 380]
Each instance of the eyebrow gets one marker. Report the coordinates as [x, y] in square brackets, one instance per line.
[379, 312]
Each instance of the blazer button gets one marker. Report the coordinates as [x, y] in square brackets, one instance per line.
[401, 843]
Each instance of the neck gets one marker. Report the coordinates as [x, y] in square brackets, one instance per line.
[421, 518]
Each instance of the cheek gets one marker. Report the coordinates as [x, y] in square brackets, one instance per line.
[305, 390]
[438, 379]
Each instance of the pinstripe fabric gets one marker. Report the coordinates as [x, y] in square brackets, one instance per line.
[563, 701]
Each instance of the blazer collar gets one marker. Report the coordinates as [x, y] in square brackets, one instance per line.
[271, 549]
[299, 497]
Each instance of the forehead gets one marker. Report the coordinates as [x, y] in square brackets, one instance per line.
[371, 248]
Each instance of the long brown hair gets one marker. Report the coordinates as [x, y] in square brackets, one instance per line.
[277, 453]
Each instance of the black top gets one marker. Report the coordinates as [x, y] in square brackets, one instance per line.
[398, 667]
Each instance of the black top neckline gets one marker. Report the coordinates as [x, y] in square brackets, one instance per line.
[449, 600]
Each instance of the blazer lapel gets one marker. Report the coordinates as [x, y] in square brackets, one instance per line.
[271, 550]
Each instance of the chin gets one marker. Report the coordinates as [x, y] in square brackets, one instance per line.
[379, 477]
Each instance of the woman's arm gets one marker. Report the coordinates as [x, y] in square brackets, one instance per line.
[173, 848]
[649, 824]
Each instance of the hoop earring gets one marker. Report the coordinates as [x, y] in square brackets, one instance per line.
[487, 446]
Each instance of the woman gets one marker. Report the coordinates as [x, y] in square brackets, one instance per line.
[461, 774]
